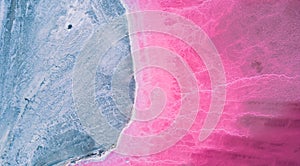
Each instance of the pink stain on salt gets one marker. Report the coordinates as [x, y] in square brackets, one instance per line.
[258, 43]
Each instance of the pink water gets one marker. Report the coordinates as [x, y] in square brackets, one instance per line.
[258, 45]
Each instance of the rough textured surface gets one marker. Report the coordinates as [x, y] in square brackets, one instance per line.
[42, 46]
[258, 42]
[41, 42]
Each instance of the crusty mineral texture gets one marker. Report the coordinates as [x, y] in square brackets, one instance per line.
[56, 75]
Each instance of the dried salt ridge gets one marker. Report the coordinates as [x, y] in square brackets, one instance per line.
[45, 116]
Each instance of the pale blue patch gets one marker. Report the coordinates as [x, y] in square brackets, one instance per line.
[39, 124]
